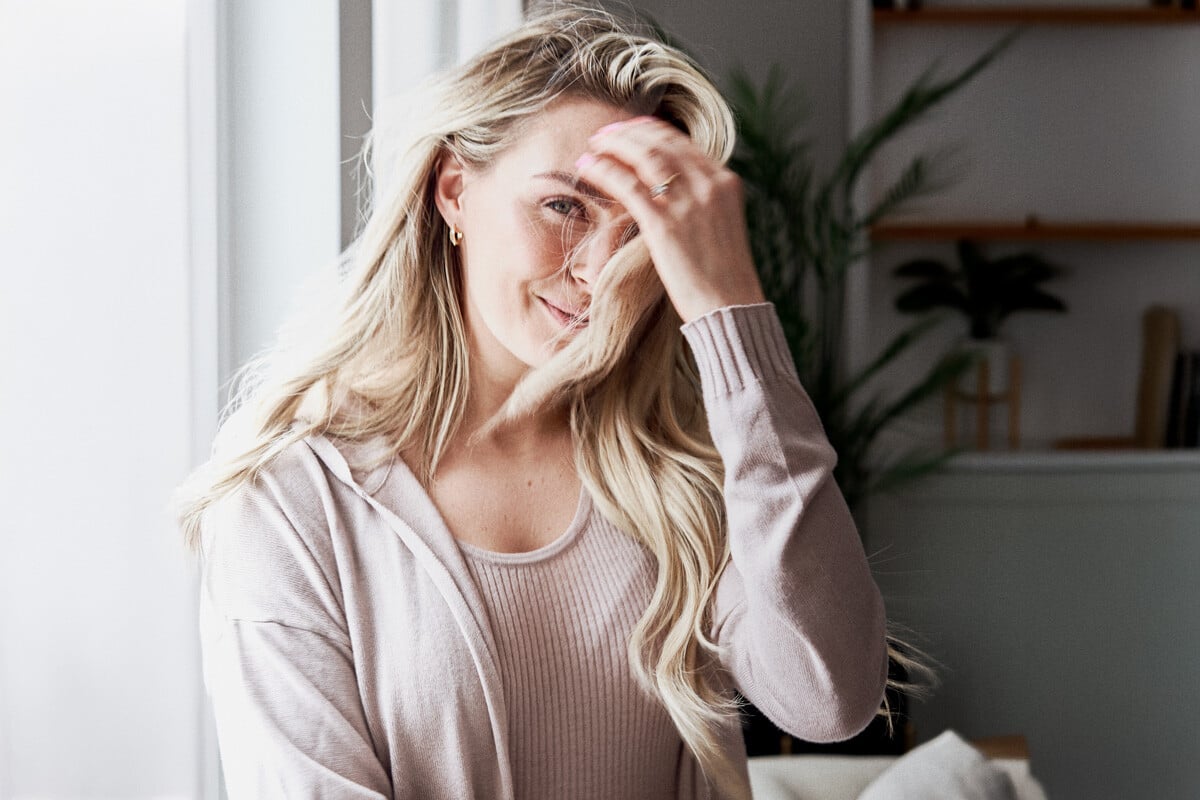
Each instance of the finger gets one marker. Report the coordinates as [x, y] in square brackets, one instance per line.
[621, 183]
[656, 151]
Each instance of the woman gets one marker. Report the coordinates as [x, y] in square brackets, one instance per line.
[519, 514]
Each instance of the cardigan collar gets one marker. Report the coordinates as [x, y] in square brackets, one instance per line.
[396, 494]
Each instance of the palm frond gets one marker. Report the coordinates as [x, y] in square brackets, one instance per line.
[921, 97]
[805, 234]
[912, 183]
[947, 370]
[901, 342]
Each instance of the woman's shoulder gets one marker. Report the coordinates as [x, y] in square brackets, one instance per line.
[282, 491]
[299, 480]
[266, 548]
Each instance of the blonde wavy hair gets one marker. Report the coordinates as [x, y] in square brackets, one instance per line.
[384, 351]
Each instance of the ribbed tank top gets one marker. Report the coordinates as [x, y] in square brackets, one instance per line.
[580, 726]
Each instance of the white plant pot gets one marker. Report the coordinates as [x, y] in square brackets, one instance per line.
[996, 354]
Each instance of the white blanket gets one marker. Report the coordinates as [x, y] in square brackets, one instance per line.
[945, 767]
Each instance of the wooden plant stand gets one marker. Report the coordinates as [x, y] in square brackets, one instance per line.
[983, 401]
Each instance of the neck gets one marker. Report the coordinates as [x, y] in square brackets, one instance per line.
[491, 384]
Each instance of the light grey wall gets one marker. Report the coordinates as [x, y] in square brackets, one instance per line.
[806, 37]
[1062, 606]
[1063, 603]
[1086, 123]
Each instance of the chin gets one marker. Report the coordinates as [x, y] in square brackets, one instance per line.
[541, 354]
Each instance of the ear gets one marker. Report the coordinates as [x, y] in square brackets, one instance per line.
[448, 187]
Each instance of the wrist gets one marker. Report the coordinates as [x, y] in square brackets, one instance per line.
[702, 304]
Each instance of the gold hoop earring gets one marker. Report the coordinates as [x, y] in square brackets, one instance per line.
[456, 236]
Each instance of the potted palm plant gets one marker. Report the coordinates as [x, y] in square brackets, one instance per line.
[806, 232]
[986, 292]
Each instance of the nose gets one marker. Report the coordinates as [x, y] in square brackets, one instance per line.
[595, 253]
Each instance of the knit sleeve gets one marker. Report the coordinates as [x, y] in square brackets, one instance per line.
[277, 660]
[798, 611]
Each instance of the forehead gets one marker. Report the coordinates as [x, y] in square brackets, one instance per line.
[555, 138]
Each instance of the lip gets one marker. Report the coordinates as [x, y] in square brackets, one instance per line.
[563, 318]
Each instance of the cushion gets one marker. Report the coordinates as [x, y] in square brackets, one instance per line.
[814, 777]
[944, 768]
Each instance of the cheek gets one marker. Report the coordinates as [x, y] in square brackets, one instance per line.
[548, 242]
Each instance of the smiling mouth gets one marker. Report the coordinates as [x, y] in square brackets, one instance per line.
[563, 318]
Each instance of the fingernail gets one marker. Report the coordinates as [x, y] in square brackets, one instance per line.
[609, 128]
[612, 126]
[585, 161]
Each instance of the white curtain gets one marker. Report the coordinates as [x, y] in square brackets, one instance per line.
[412, 38]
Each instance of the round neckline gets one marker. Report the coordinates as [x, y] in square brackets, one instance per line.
[583, 512]
[545, 552]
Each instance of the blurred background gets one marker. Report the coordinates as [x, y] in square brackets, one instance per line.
[172, 170]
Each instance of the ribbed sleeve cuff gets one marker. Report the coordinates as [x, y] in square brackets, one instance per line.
[739, 345]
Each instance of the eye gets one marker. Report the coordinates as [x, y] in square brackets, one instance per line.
[566, 206]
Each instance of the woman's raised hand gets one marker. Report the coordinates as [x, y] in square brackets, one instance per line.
[687, 207]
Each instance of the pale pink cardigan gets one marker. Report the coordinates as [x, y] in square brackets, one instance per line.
[345, 646]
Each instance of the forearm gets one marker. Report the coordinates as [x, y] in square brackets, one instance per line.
[802, 615]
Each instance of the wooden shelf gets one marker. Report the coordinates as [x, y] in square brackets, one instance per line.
[1048, 460]
[1037, 15]
[1175, 471]
[1036, 231]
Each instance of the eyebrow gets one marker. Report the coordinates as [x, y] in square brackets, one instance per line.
[578, 184]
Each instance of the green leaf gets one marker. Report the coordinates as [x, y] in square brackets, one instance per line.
[927, 296]
[922, 96]
[913, 182]
[971, 257]
[806, 233]
[1028, 268]
[1030, 299]
[949, 368]
[901, 342]
[924, 268]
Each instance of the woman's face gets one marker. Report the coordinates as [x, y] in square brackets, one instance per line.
[534, 238]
